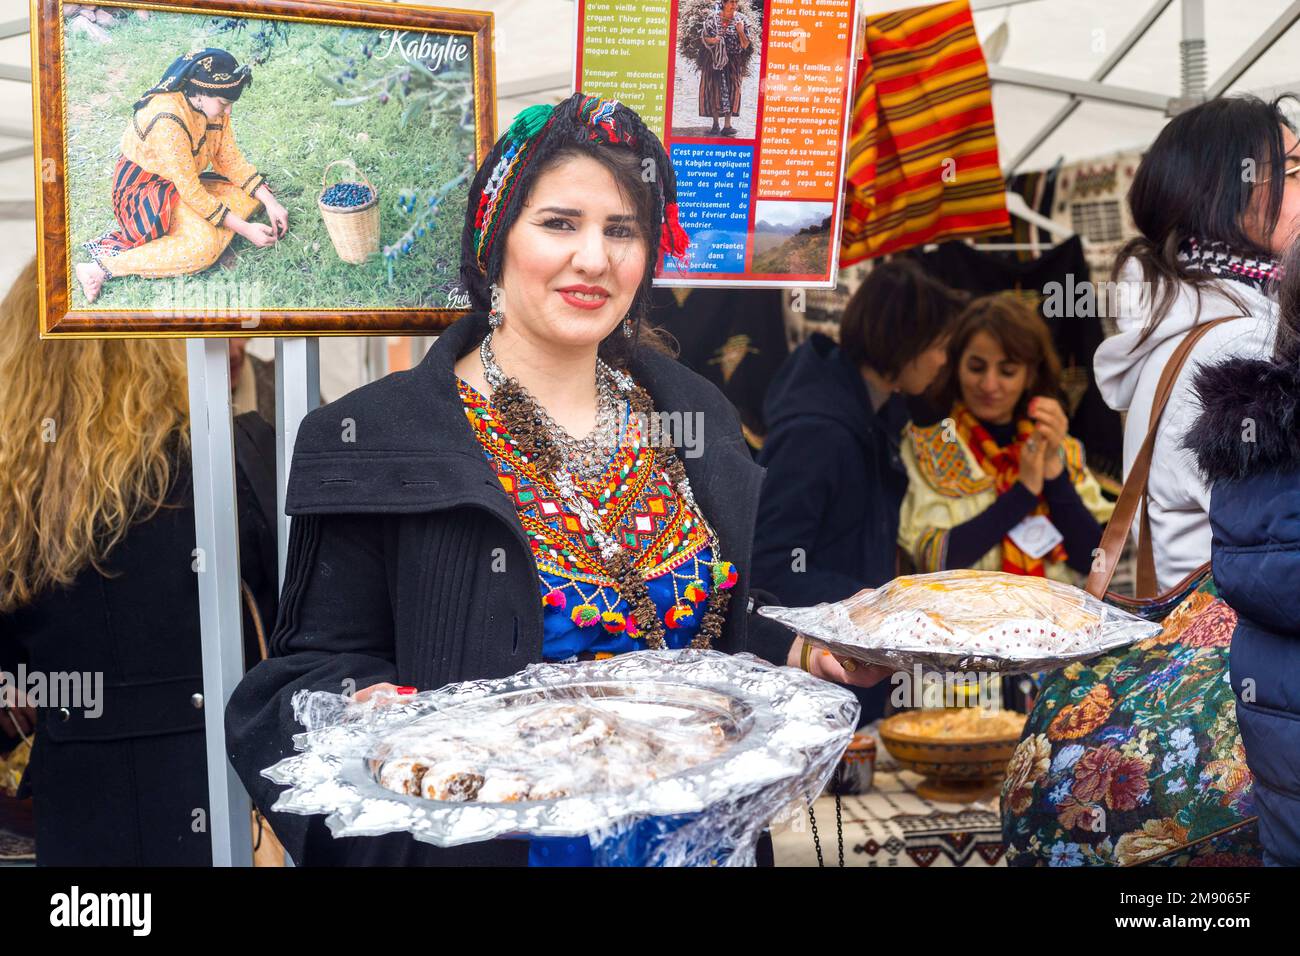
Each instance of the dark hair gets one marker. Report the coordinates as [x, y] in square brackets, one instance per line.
[1194, 182]
[646, 197]
[1024, 337]
[897, 313]
[1287, 347]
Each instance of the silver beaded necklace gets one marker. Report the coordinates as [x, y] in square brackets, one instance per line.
[612, 386]
[584, 458]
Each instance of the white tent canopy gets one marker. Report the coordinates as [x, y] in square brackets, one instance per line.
[1051, 48]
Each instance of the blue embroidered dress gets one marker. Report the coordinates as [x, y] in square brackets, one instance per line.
[584, 615]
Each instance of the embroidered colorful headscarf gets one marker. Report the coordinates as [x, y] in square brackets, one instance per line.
[502, 181]
[211, 70]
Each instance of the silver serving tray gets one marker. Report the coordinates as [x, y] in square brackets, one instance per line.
[784, 732]
[829, 626]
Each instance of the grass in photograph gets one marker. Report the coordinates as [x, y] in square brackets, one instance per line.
[316, 97]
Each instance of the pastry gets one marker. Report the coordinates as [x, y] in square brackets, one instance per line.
[502, 788]
[975, 612]
[543, 751]
[453, 785]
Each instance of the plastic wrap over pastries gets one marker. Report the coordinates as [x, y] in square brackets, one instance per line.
[659, 757]
[971, 620]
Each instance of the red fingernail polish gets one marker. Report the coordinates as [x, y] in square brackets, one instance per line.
[406, 690]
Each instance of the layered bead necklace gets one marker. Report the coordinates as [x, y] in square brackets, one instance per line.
[540, 439]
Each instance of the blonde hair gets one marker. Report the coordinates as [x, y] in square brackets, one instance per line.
[89, 433]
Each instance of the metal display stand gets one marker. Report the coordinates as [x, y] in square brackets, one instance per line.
[297, 391]
[216, 563]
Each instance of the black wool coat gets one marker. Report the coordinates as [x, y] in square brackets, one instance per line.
[122, 788]
[408, 564]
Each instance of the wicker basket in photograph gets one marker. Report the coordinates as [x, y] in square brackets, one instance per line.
[354, 230]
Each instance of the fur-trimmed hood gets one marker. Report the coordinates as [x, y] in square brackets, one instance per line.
[1248, 421]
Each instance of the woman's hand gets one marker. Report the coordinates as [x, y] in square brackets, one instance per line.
[1033, 462]
[278, 215]
[15, 721]
[257, 233]
[1051, 426]
[824, 664]
[365, 693]
[740, 33]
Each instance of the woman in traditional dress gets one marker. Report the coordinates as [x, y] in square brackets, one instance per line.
[509, 500]
[999, 485]
[174, 216]
[722, 68]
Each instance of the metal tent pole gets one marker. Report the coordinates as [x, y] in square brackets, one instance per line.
[297, 391]
[216, 561]
[1108, 65]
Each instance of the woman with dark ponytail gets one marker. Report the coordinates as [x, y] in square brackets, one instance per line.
[515, 498]
[1217, 202]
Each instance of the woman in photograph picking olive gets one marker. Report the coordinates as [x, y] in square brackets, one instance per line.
[175, 217]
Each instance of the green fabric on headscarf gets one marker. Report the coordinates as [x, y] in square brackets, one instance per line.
[529, 122]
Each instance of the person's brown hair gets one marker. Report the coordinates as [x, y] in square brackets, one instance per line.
[1016, 326]
[897, 313]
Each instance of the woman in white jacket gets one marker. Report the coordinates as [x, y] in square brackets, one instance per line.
[1217, 202]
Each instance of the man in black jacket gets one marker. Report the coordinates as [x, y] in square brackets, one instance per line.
[828, 515]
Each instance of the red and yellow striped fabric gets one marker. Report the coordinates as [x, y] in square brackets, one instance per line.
[923, 158]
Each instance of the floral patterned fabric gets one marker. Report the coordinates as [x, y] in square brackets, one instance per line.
[1136, 757]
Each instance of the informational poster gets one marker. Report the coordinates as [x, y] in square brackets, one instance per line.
[751, 99]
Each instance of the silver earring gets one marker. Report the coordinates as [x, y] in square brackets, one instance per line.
[495, 315]
[627, 327]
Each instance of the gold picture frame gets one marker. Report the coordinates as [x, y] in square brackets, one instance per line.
[390, 291]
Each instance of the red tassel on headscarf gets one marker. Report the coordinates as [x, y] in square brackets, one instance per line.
[672, 237]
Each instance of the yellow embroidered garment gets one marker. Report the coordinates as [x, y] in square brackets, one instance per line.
[170, 137]
[947, 487]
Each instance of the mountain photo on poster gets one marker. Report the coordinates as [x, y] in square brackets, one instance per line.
[792, 238]
[716, 69]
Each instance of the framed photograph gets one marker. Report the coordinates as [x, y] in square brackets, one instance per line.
[255, 167]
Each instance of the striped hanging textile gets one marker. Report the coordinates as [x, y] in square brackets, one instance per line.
[923, 157]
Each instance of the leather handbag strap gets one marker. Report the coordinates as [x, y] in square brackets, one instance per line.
[1134, 494]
